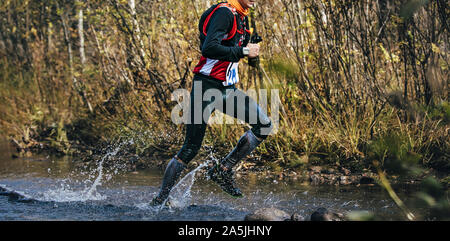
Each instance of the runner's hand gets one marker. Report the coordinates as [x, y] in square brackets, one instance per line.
[253, 50]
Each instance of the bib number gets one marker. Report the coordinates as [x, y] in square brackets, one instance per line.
[232, 76]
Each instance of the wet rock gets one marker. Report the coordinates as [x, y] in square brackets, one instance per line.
[268, 214]
[345, 171]
[330, 179]
[293, 174]
[14, 196]
[297, 217]
[338, 217]
[316, 179]
[328, 171]
[315, 169]
[354, 179]
[133, 159]
[322, 214]
[280, 176]
[366, 180]
[344, 180]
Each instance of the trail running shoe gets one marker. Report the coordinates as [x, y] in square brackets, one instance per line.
[156, 202]
[225, 179]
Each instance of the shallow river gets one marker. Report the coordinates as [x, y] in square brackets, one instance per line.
[49, 188]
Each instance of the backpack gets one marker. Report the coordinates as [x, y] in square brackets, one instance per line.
[233, 29]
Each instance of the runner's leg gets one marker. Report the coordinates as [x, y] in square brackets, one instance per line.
[251, 113]
[192, 143]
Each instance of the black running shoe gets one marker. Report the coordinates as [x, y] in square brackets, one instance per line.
[225, 179]
[156, 202]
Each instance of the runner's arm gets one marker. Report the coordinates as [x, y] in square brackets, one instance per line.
[218, 27]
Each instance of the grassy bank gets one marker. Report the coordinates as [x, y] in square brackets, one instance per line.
[350, 140]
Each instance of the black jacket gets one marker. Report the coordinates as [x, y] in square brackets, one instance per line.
[219, 25]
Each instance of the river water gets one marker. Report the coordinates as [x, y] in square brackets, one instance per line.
[51, 188]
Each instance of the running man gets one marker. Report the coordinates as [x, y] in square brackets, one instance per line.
[224, 38]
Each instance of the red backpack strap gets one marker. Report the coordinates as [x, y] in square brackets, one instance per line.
[233, 30]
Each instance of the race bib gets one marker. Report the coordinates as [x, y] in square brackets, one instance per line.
[232, 76]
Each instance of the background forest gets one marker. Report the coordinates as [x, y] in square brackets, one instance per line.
[363, 84]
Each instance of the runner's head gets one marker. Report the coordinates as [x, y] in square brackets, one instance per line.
[242, 6]
[247, 3]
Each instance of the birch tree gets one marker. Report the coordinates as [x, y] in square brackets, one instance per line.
[78, 85]
[81, 33]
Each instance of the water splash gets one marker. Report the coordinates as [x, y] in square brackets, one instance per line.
[180, 196]
[70, 191]
[66, 193]
[98, 180]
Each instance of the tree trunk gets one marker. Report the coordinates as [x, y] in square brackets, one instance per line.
[76, 84]
[81, 35]
[136, 28]
[69, 45]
